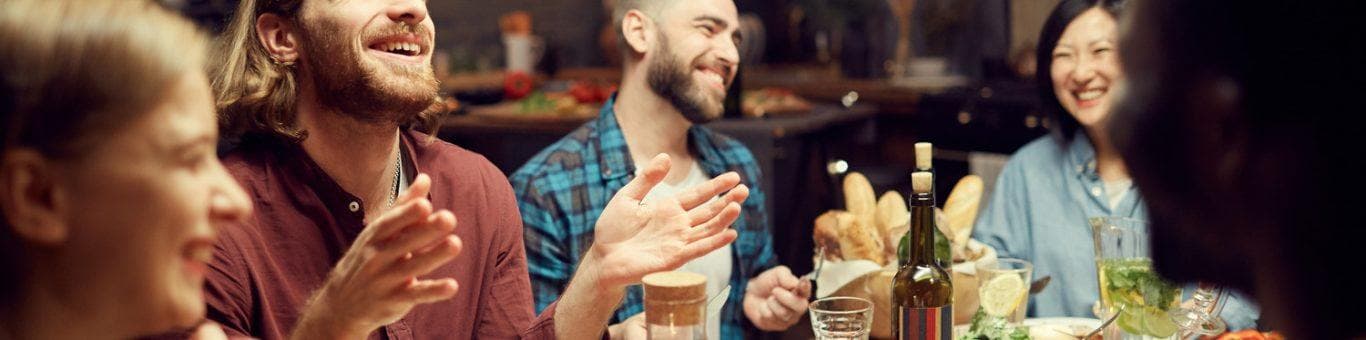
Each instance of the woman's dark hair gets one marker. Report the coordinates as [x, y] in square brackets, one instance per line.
[1238, 129]
[1064, 126]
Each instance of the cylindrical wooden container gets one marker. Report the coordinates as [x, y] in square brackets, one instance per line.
[675, 305]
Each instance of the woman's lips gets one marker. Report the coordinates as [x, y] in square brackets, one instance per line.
[196, 255]
[1090, 98]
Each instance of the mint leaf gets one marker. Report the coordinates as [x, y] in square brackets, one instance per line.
[987, 327]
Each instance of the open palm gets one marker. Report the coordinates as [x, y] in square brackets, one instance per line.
[634, 239]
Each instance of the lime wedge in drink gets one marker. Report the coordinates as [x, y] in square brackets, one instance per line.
[1158, 324]
[1131, 321]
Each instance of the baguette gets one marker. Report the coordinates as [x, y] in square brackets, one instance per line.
[892, 219]
[859, 199]
[961, 207]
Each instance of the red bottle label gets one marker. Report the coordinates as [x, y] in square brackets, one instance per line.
[925, 323]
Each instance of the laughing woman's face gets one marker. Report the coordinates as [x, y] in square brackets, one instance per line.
[1086, 67]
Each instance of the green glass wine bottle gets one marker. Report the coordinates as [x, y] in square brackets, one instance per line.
[922, 291]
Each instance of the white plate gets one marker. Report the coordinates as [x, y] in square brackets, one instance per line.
[1049, 328]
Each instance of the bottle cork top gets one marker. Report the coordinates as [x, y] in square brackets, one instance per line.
[921, 182]
[924, 153]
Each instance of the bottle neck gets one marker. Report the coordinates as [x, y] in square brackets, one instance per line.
[922, 229]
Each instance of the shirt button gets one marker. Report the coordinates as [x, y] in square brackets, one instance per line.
[1095, 191]
[353, 206]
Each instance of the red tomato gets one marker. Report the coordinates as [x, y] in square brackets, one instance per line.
[583, 93]
[517, 85]
[605, 92]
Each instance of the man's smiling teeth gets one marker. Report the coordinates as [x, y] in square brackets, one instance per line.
[712, 76]
[1090, 94]
[400, 48]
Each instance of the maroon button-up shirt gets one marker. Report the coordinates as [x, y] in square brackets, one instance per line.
[265, 270]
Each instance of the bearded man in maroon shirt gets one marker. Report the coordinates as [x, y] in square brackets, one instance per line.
[355, 229]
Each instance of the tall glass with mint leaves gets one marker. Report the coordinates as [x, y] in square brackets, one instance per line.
[1129, 286]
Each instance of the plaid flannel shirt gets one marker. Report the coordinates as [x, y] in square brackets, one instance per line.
[562, 190]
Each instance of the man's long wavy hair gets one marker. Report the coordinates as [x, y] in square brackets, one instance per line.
[255, 96]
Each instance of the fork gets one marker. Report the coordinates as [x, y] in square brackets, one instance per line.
[1103, 325]
[820, 263]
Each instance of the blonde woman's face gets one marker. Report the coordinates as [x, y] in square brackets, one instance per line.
[143, 209]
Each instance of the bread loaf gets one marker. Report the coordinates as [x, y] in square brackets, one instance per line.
[891, 212]
[860, 241]
[860, 200]
[892, 219]
[851, 239]
[961, 208]
[827, 234]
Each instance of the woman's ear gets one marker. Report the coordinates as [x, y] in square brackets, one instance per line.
[30, 197]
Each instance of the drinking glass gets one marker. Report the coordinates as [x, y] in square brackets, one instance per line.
[841, 318]
[1129, 285]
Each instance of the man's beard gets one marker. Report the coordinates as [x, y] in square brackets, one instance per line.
[366, 90]
[668, 76]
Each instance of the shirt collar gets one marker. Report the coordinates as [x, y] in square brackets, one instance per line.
[1082, 156]
[614, 157]
[700, 140]
[294, 159]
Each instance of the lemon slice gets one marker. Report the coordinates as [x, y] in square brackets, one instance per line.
[1002, 294]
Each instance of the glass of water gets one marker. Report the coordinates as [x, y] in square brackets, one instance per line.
[840, 318]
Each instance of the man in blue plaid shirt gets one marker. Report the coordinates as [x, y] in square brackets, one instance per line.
[680, 57]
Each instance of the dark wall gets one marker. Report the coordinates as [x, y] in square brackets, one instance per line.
[468, 29]
[570, 27]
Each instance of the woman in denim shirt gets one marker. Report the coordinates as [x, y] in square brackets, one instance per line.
[1041, 201]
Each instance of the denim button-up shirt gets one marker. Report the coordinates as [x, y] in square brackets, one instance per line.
[1038, 212]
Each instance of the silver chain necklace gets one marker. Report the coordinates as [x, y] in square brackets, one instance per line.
[398, 171]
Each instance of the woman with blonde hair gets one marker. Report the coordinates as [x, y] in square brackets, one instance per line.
[111, 192]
